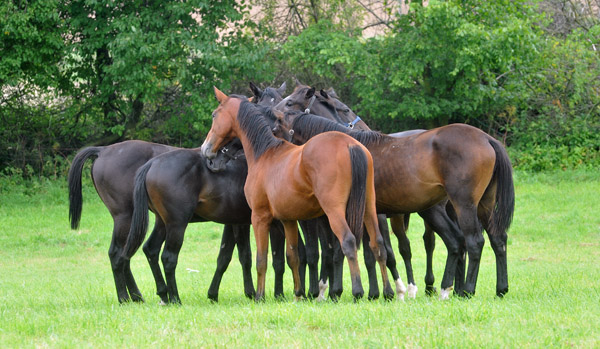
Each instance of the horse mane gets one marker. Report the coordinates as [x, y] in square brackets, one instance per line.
[309, 125]
[251, 118]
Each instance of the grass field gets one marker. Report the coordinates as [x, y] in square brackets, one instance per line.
[56, 287]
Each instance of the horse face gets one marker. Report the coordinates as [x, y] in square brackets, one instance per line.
[283, 127]
[222, 129]
[298, 100]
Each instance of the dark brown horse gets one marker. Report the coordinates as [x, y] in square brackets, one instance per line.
[113, 173]
[331, 174]
[304, 98]
[412, 174]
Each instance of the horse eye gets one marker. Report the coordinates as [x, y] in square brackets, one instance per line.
[289, 104]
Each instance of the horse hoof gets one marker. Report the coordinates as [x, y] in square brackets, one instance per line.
[411, 291]
[445, 293]
[162, 303]
[400, 289]
[430, 291]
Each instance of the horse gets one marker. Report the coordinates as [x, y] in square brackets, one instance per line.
[305, 98]
[113, 174]
[457, 162]
[289, 183]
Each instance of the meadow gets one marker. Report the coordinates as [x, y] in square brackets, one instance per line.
[57, 290]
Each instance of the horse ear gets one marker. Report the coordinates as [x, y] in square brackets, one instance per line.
[332, 93]
[255, 90]
[310, 93]
[297, 82]
[220, 95]
[281, 89]
[324, 94]
[251, 99]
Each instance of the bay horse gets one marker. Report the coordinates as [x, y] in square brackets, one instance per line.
[457, 162]
[113, 172]
[332, 174]
[304, 98]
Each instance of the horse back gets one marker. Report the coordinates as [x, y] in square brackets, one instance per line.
[114, 170]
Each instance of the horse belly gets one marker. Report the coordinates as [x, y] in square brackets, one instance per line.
[408, 199]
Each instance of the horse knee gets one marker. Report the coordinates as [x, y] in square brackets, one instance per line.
[349, 247]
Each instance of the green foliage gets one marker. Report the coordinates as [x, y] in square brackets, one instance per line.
[458, 61]
[30, 42]
[83, 72]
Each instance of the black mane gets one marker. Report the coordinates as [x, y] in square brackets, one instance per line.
[309, 125]
[251, 118]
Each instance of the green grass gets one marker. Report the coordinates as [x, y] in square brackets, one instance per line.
[56, 287]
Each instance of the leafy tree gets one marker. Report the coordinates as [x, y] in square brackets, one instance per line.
[125, 55]
[459, 60]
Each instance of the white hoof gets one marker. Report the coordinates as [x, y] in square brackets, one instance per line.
[400, 289]
[445, 293]
[411, 291]
[162, 303]
[322, 288]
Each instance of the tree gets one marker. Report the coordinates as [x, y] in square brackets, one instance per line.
[124, 55]
[459, 60]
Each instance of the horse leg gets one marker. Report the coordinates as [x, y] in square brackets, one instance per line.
[469, 224]
[223, 260]
[371, 272]
[399, 229]
[337, 271]
[261, 224]
[152, 251]
[302, 262]
[451, 235]
[292, 255]
[310, 230]
[277, 237]
[115, 251]
[242, 238]
[326, 241]
[377, 244]
[459, 278]
[429, 242]
[348, 242]
[497, 241]
[169, 257]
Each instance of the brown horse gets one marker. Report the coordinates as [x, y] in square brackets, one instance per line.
[412, 174]
[327, 103]
[332, 174]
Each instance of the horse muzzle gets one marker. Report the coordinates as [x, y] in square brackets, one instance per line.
[207, 150]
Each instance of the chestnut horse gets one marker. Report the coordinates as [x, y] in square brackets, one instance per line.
[305, 98]
[332, 174]
[412, 174]
[113, 173]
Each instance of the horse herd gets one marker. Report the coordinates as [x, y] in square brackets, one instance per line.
[273, 162]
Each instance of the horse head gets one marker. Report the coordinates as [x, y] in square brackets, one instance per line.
[222, 129]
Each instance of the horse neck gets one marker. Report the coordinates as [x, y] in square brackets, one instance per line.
[249, 142]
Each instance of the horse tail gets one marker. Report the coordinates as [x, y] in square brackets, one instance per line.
[139, 219]
[74, 182]
[502, 214]
[355, 209]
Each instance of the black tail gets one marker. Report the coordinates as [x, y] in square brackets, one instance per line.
[74, 182]
[355, 209]
[139, 219]
[502, 215]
